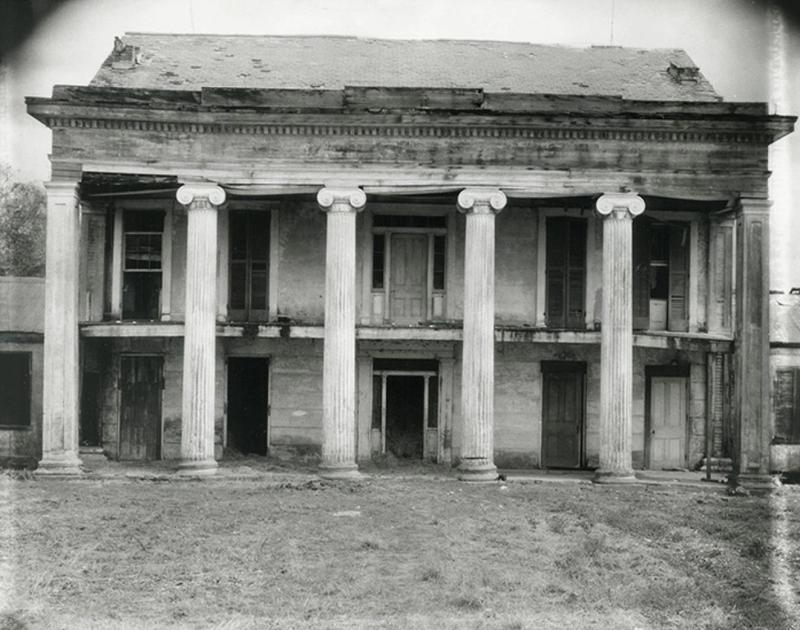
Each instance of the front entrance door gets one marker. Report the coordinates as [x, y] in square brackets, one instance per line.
[405, 415]
[562, 418]
[140, 407]
[409, 278]
[667, 422]
[248, 404]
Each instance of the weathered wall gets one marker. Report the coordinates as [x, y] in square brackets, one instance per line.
[515, 265]
[23, 446]
[301, 277]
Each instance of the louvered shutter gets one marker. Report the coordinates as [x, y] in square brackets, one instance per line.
[556, 272]
[576, 273]
[678, 315]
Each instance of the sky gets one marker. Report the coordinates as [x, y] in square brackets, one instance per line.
[732, 41]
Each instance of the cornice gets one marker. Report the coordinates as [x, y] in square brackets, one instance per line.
[529, 131]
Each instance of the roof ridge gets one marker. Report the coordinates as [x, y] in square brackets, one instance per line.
[400, 39]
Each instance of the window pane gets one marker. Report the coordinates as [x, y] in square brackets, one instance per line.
[439, 258]
[143, 221]
[378, 254]
[258, 286]
[259, 234]
[238, 285]
[143, 251]
[15, 389]
[238, 221]
[141, 294]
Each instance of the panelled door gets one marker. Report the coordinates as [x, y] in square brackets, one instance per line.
[667, 422]
[140, 407]
[562, 418]
[409, 277]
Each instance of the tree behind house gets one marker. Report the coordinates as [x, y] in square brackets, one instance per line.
[22, 227]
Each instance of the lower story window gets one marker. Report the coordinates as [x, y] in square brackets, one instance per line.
[15, 389]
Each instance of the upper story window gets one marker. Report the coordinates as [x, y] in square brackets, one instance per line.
[142, 258]
[786, 402]
[15, 389]
[660, 275]
[565, 288]
[249, 265]
[409, 267]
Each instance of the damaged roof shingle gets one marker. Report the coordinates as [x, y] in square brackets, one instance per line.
[190, 62]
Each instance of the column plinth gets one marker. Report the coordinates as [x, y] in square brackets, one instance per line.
[477, 362]
[616, 337]
[61, 406]
[199, 343]
[339, 348]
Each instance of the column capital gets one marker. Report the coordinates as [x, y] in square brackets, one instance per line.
[752, 205]
[200, 195]
[481, 200]
[341, 199]
[620, 205]
[62, 187]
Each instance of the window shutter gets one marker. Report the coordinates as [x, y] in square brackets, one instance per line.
[794, 433]
[576, 274]
[641, 274]
[556, 273]
[678, 317]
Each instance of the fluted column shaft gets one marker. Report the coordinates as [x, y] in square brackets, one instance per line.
[477, 378]
[616, 339]
[339, 348]
[199, 343]
[61, 354]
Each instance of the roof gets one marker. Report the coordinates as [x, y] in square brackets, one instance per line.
[190, 62]
[21, 304]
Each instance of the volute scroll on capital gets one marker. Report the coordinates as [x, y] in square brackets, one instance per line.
[341, 199]
[620, 205]
[200, 195]
[481, 200]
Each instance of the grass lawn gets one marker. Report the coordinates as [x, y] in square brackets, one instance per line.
[385, 553]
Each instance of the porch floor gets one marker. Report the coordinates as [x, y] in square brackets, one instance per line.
[300, 470]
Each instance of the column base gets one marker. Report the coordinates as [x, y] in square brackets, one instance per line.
[198, 468]
[614, 476]
[477, 470]
[339, 472]
[67, 466]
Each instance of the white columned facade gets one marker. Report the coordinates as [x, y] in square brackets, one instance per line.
[339, 350]
[199, 343]
[480, 205]
[61, 404]
[616, 339]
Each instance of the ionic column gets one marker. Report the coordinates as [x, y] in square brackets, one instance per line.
[751, 346]
[199, 342]
[477, 362]
[616, 337]
[61, 354]
[339, 349]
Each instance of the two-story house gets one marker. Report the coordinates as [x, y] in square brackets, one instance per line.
[481, 253]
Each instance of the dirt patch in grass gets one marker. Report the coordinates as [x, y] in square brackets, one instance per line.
[383, 553]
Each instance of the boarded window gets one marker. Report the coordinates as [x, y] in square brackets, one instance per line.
[786, 392]
[141, 271]
[249, 265]
[15, 389]
[566, 272]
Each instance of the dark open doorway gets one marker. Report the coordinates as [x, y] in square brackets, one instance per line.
[405, 409]
[248, 404]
